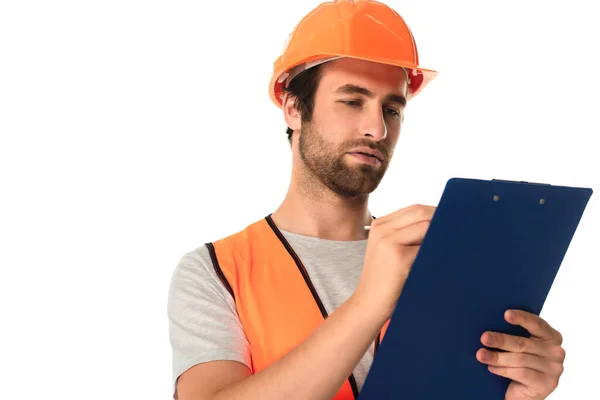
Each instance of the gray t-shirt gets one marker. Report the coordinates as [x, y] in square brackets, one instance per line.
[204, 325]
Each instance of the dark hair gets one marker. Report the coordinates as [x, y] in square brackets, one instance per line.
[303, 88]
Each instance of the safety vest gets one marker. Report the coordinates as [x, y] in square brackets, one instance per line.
[276, 301]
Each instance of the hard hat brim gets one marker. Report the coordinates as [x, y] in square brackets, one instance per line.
[418, 82]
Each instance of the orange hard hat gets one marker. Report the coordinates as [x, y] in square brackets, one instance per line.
[361, 29]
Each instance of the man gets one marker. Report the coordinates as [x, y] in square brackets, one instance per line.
[294, 305]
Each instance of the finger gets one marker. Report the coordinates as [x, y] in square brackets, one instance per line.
[534, 324]
[531, 378]
[400, 217]
[411, 235]
[518, 360]
[515, 344]
[404, 217]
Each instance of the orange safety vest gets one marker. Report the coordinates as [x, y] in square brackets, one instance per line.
[276, 301]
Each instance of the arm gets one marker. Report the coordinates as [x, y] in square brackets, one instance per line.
[318, 367]
[204, 328]
[338, 344]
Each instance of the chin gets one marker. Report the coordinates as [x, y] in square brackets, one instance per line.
[353, 189]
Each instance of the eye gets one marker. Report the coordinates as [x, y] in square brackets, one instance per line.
[392, 111]
[352, 103]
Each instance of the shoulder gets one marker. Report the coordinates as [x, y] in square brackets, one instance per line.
[237, 249]
[245, 234]
[200, 267]
[193, 264]
[194, 277]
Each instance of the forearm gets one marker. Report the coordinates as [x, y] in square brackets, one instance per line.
[318, 367]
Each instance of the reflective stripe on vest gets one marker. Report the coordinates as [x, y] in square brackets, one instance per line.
[276, 302]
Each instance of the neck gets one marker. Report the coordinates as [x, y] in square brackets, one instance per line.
[310, 208]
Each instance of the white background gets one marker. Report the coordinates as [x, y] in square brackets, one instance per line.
[135, 131]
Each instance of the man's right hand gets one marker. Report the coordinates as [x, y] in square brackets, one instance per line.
[339, 343]
[394, 241]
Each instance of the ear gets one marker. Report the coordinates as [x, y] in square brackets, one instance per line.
[292, 117]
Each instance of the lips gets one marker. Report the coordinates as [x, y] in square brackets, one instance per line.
[366, 158]
[367, 151]
[366, 154]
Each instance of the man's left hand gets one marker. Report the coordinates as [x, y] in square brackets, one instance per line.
[534, 364]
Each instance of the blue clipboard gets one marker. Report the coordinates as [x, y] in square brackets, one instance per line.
[491, 246]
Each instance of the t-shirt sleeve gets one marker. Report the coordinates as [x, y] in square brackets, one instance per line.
[203, 322]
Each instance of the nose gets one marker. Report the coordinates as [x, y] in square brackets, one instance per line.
[374, 125]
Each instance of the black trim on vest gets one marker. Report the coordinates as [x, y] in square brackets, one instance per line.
[309, 283]
[353, 385]
[378, 339]
[217, 267]
[299, 264]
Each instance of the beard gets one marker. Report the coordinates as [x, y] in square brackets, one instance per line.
[326, 161]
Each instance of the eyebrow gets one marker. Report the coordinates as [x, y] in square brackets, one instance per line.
[353, 89]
